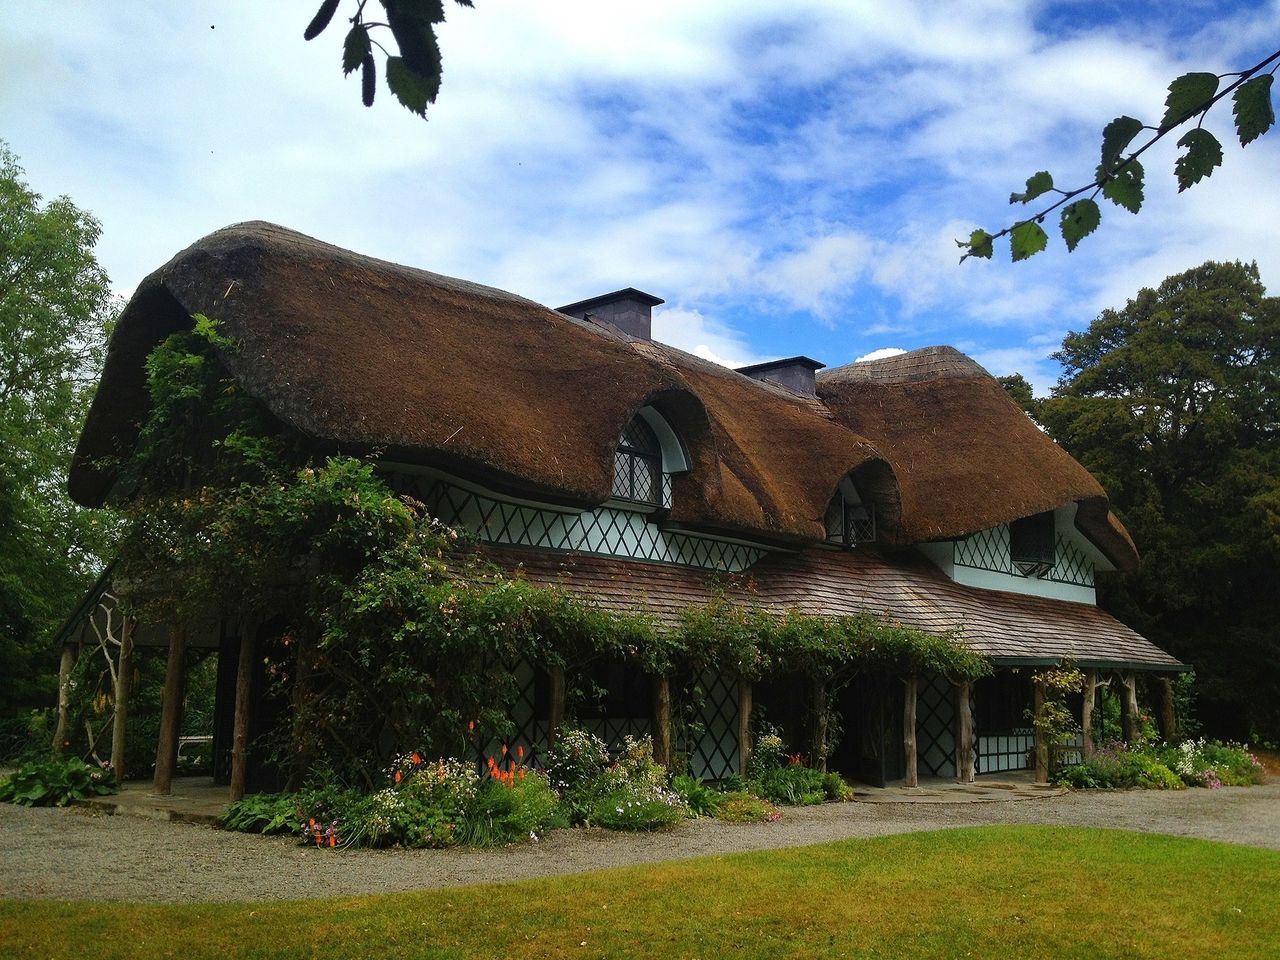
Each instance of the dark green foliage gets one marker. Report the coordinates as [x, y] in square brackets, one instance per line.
[1079, 220]
[791, 786]
[1020, 392]
[55, 305]
[263, 813]
[55, 782]
[1117, 767]
[1204, 152]
[702, 799]
[1189, 94]
[1173, 403]
[1252, 109]
[504, 814]
[1116, 137]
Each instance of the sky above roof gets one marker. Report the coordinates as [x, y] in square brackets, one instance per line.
[790, 177]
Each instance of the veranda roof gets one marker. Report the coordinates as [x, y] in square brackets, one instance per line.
[902, 587]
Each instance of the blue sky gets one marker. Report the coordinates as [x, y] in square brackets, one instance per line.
[790, 177]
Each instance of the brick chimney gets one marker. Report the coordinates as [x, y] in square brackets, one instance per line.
[630, 310]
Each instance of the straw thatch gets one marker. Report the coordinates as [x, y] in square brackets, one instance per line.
[365, 355]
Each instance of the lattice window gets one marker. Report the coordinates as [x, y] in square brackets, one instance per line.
[605, 531]
[935, 726]
[637, 465]
[849, 523]
[990, 550]
[712, 734]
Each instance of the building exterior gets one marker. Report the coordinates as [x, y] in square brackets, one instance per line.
[581, 452]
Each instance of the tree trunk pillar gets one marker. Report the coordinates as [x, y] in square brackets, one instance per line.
[1086, 711]
[662, 719]
[1167, 716]
[818, 746]
[171, 712]
[240, 724]
[555, 708]
[1129, 707]
[1041, 741]
[965, 760]
[65, 666]
[744, 725]
[912, 685]
[120, 722]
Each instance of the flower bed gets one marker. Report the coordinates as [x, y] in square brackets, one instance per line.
[1192, 763]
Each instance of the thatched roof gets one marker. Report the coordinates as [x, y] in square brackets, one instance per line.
[367, 355]
[965, 455]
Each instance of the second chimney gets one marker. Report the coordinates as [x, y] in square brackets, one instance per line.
[630, 310]
[794, 373]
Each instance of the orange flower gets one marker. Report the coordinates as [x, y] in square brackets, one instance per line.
[504, 749]
[397, 776]
[471, 725]
[311, 822]
[333, 841]
[520, 751]
[417, 758]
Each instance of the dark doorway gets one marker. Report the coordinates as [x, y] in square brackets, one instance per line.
[871, 749]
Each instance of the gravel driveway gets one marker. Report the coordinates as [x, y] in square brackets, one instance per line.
[78, 855]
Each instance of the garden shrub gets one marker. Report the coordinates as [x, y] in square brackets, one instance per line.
[793, 786]
[638, 806]
[262, 813]
[507, 812]
[56, 782]
[1213, 764]
[700, 798]
[739, 806]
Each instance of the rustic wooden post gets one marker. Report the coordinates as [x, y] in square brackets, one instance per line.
[171, 712]
[662, 719]
[965, 760]
[909, 730]
[65, 666]
[744, 725]
[555, 709]
[240, 724]
[1086, 710]
[1129, 707]
[1167, 716]
[124, 676]
[1041, 741]
[818, 746]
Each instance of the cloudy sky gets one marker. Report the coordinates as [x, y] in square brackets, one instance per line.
[789, 176]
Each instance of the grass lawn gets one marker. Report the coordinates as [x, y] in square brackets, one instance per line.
[985, 892]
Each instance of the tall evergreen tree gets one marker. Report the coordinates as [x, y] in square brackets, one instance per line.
[1173, 402]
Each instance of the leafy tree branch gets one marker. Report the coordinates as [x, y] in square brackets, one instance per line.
[1120, 176]
[413, 74]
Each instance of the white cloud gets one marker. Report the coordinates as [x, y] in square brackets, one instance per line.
[882, 354]
[702, 336]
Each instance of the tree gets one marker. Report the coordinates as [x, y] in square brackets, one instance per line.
[414, 75]
[1173, 402]
[55, 303]
[1120, 175]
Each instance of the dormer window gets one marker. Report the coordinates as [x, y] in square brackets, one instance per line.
[1031, 544]
[637, 464]
[849, 521]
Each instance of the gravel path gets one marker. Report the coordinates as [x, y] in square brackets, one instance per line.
[78, 855]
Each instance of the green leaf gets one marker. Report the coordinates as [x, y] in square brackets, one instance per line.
[1116, 137]
[1027, 239]
[1252, 109]
[1188, 95]
[1124, 188]
[1078, 221]
[355, 48]
[978, 245]
[410, 87]
[1204, 152]
[1037, 184]
[320, 20]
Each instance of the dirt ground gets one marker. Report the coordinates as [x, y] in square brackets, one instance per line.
[76, 854]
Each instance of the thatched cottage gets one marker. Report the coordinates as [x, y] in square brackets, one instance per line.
[576, 447]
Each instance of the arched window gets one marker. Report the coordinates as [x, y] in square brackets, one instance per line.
[637, 464]
[849, 521]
